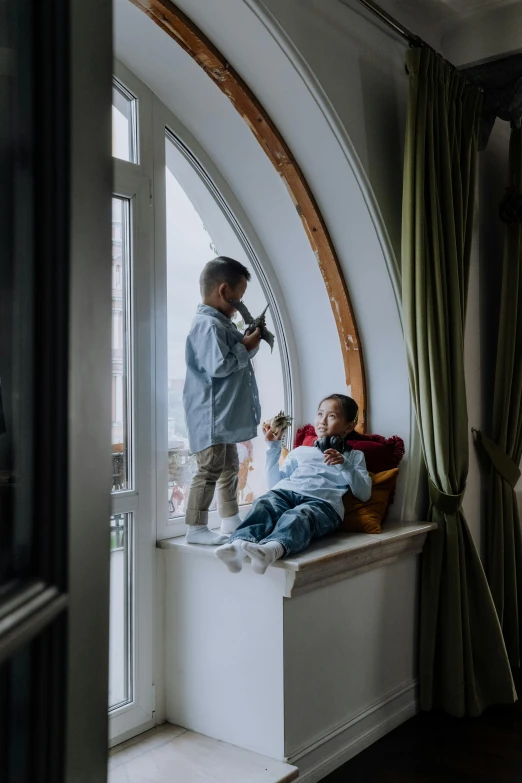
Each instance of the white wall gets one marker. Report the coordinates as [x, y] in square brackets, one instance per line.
[360, 67]
[224, 651]
[349, 664]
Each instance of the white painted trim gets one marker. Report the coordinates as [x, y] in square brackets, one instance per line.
[329, 751]
[312, 83]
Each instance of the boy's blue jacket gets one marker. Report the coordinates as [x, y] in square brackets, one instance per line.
[220, 396]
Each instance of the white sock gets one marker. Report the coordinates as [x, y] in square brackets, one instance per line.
[232, 555]
[201, 534]
[262, 555]
[230, 524]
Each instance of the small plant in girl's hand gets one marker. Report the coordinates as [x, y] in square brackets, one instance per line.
[276, 427]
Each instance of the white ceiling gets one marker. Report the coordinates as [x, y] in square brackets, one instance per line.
[474, 30]
[466, 8]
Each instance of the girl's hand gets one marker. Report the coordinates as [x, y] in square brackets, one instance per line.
[333, 457]
[269, 435]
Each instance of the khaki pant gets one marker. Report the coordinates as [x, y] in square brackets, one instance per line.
[218, 466]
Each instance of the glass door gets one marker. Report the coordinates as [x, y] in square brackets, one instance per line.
[132, 541]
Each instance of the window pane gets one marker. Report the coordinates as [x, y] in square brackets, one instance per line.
[120, 669]
[198, 230]
[124, 124]
[121, 476]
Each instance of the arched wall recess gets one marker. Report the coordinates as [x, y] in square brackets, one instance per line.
[181, 29]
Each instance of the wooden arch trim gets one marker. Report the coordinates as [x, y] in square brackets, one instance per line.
[180, 28]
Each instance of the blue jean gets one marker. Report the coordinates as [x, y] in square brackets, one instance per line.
[292, 519]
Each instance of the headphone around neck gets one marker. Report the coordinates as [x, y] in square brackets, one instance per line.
[332, 442]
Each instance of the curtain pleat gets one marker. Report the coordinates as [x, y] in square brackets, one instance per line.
[463, 661]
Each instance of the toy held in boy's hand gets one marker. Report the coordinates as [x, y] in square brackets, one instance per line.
[255, 323]
[278, 424]
[332, 442]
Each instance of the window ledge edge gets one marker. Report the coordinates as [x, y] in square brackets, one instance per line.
[334, 558]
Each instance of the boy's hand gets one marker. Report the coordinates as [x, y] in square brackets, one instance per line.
[251, 341]
[333, 457]
[269, 435]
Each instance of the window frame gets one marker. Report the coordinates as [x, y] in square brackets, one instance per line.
[145, 182]
[138, 501]
[133, 181]
[134, 145]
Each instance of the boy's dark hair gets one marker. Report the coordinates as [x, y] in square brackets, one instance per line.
[349, 406]
[222, 269]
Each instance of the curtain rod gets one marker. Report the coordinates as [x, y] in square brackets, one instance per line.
[397, 27]
[393, 23]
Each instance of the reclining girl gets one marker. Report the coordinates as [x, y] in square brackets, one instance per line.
[305, 500]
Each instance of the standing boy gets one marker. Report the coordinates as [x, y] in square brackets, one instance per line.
[220, 398]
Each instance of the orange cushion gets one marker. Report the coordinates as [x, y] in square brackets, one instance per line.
[367, 517]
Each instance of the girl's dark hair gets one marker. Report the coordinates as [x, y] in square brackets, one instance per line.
[222, 269]
[349, 406]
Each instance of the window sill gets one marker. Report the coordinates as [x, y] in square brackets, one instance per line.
[334, 558]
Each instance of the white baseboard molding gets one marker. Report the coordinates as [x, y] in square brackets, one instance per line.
[325, 754]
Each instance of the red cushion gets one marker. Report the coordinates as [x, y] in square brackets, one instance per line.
[380, 453]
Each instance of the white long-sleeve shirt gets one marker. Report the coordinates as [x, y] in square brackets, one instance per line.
[305, 472]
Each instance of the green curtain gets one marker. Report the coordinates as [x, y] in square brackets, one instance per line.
[503, 539]
[463, 660]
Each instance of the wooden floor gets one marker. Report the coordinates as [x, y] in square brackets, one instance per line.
[434, 747]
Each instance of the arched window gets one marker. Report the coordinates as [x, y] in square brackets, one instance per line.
[168, 219]
[199, 226]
